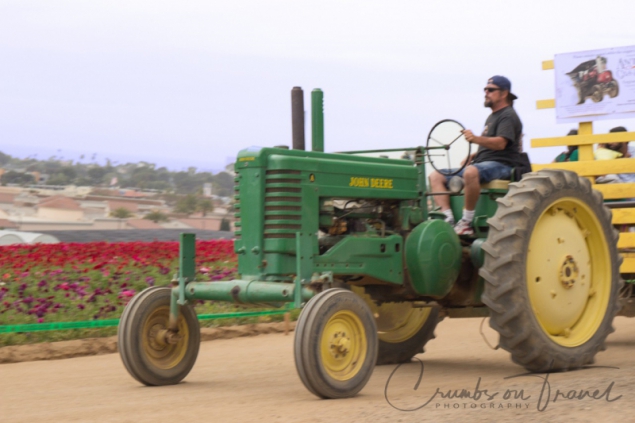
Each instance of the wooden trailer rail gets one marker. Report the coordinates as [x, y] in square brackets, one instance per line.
[589, 167]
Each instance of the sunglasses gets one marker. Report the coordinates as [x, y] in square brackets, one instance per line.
[490, 90]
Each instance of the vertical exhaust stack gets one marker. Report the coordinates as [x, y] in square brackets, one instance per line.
[297, 118]
[317, 119]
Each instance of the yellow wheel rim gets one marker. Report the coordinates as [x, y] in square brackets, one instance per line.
[159, 353]
[396, 322]
[569, 272]
[343, 345]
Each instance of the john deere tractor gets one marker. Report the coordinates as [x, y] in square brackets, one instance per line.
[353, 239]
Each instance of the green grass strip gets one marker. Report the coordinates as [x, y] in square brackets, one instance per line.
[89, 324]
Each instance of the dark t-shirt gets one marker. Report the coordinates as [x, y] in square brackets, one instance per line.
[503, 123]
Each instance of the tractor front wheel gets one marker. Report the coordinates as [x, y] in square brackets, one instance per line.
[335, 344]
[403, 330]
[551, 271]
[149, 353]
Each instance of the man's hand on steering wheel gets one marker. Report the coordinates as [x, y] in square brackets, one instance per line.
[469, 135]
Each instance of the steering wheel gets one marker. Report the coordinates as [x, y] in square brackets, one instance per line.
[447, 147]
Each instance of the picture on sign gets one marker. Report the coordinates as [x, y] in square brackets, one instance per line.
[593, 80]
[596, 84]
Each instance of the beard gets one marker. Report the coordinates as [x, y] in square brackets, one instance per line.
[487, 103]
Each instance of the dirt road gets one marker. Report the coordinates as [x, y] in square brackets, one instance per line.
[254, 380]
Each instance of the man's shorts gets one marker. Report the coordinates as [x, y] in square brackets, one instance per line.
[487, 171]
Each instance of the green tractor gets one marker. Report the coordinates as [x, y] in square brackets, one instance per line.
[354, 241]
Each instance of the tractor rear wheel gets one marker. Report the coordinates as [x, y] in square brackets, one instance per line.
[403, 330]
[145, 350]
[613, 89]
[551, 271]
[335, 345]
[597, 93]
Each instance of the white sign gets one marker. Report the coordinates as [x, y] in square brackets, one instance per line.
[595, 84]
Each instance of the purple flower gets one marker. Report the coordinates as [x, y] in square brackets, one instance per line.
[81, 306]
[150, 280]
[28, 300]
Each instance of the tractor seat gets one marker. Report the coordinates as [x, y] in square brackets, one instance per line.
[496, 184]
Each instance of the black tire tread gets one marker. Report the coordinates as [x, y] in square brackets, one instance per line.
[503, 272]
[402, 352]
[123, 330]
[306, 338]
[129, 336]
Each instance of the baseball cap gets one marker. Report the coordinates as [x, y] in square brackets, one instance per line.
[502, 83]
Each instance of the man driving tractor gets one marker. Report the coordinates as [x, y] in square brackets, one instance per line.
[498, 152]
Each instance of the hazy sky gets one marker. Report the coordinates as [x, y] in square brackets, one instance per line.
[184, 83]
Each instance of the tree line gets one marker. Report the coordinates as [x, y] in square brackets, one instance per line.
[142, 175]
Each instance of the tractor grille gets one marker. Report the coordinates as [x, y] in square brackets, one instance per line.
[283, 197]
[237, 223]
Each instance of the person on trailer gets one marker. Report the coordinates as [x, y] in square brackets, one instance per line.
[626, 151]
[497, 154]
[571, 155]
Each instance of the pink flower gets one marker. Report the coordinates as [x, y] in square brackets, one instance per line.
[40, 320]
[204, 269]
[126, 293]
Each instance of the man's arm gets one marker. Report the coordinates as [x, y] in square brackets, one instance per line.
[493, 143]
[469, 159]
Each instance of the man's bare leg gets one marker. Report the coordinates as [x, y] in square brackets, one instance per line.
[472, 188]
[437, 183]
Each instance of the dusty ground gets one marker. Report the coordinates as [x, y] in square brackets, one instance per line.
[253, 379]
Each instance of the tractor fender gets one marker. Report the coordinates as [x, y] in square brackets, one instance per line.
[433, 257]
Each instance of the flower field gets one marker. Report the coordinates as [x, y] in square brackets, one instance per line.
[73, 282]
